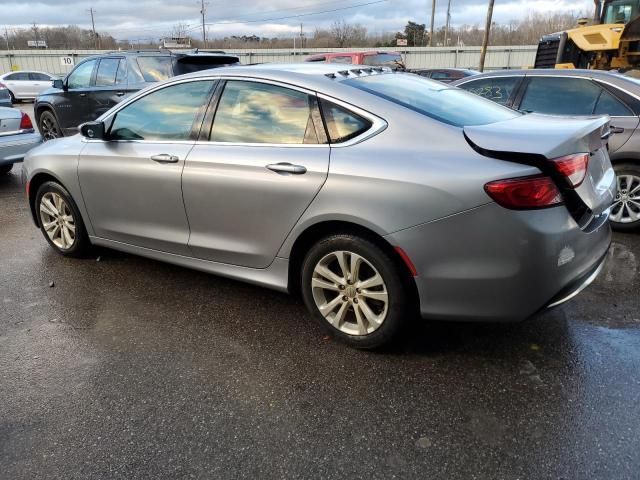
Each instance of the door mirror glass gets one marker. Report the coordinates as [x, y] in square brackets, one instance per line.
[57, 83]
[93, 130]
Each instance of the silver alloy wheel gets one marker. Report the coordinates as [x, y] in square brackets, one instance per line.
[350, 293]
[626, 206]
[57, 220]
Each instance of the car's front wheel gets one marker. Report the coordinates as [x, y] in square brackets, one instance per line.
[625, 211]
[60, 220]
[355, 290]
[49, 127]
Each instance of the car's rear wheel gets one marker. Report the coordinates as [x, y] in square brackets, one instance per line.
[60, 220]
[12, 97]
[355, 290]
[625, 211]
[4, 169]
[48, 125]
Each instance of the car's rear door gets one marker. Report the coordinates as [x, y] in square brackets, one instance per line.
[40, 82]
[18, 84]
[254, 174]
[110, 85]
[131, 183]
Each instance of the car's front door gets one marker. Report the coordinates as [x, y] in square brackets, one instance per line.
[72, 108]
[131, 183]
[264, 162]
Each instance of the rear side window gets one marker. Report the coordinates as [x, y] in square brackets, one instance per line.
[341, 59]
[108, 71]
[39, 77]
[341, 123]
[166, 114]
[440, 76]
[436, 100]
[253, 112]
[560, 96]
[155, 69]
[610, 105]
[18, 76]
[382, 59]
[498, 90]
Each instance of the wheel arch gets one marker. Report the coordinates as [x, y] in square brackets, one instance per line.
[308, 237]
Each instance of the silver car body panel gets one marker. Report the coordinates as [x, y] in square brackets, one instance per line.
[420, 188]
[15, 142]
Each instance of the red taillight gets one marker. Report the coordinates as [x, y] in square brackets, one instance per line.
[524, 193]
[572, 167]
[25, 122]
[2, 85]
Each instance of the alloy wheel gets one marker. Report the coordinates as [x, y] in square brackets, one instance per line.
[57, 220]
[49, 128]
[626, 206]
[350, 293]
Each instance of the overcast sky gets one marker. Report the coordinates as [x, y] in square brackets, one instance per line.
[154, 18]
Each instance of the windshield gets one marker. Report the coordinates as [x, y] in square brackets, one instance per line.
[621, 11]
[449, 105]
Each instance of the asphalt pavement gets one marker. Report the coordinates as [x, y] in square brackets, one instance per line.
[125, 368]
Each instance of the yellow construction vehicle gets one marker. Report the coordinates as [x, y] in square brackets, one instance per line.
[611, 42]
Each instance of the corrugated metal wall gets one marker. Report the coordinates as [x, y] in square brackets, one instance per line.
[53, 61]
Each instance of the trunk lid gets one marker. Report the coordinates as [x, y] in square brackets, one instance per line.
[536, 140]
[9, 120]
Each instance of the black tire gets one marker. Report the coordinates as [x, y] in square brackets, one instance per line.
[4, 169]
[387, 267]
[626, 169]
[81, 244]
[12, 97]
[48, 126]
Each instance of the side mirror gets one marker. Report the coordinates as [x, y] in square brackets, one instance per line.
[93, 130]
[57, 83]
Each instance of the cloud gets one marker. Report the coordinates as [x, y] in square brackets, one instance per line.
[155, 18]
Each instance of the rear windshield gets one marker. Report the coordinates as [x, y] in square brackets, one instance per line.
[449, 105]
[383, 60]
[155, 69]
[196, 63]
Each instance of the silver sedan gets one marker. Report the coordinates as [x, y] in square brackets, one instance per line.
[373, 193]
[17, 137]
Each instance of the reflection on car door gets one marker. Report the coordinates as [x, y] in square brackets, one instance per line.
[131, 184]
[623, 120]
[73, 108]
[110, 85]
[246, 188]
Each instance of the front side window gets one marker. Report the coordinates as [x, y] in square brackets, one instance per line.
[155, 69]
[342, 124]
[560, 96]
[496, 89]
[81, 76]
[107, 71]
[436, 100]
[166, 114]
[252, 112]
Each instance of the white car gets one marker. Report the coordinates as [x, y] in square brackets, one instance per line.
[26, 84]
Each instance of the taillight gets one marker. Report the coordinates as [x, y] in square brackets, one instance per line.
[524, 193]
[25, 122]
[572, 167]
[2, 85]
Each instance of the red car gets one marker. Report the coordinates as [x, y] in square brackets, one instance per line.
[373, 58]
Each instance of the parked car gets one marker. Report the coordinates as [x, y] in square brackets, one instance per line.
[26, 85]
[98, 83]
[488, 214]
[5, 97]
[392, 60]
[580, 92]
[17, 137]
[445, 75]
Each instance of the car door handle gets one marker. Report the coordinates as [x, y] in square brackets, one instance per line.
[612, 131]
[165, 158]
[83, 95]
[287, 168]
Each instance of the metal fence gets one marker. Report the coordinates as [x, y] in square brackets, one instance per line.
[60, 62]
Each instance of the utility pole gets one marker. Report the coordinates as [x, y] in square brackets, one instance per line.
[93, 29]
[204, 30]
[6, 36]
[433, 18]
[35, 32]
[448, 24]
[301, 37]
[487, 30]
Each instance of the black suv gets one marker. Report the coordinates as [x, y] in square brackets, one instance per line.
[97, 83]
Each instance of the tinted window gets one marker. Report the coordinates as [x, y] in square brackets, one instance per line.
[560, 96]
[441, 76]
[81, 76]
[166, 114]
[18, 76]
[610, 105]
[318, 59]
[251, 112]
[341, 123]
[107, 70]
[382, 59]
[155, 69]
[497, 89]
[39, 77]
[435, 100]
[341, 59]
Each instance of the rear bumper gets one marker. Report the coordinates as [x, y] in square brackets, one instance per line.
[13, 148]
[494, 264]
